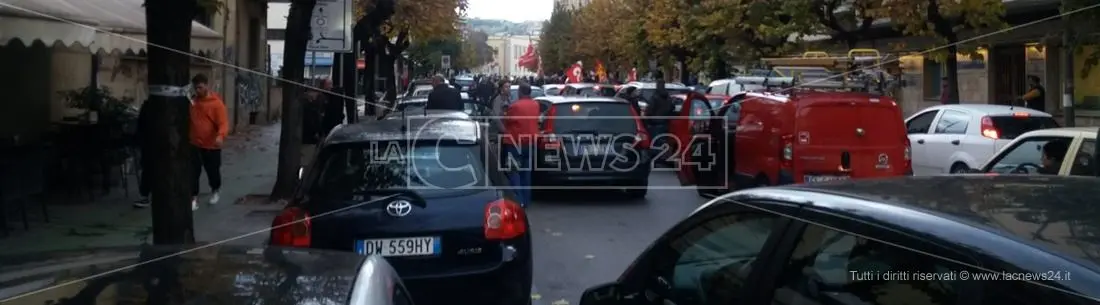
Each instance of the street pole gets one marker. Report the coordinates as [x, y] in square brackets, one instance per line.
[1068, 113]
[312, 64]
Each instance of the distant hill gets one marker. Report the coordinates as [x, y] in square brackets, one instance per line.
[504, 27]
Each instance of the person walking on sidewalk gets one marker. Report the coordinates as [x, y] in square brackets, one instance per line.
[521, 126]
[209, 127]
[141, 137]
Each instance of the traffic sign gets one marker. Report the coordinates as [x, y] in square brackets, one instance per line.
[330, 27]
[445, 62]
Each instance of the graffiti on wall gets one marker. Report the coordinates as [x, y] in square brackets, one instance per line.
[248, 91]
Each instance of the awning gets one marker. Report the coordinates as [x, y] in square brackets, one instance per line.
[99, 25]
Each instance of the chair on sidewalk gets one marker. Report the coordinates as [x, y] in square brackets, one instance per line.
[22, 178]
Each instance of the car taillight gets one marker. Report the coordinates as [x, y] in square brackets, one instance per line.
[642, 140]
[787, 155]
[908, 154]
[504, 220]
[988, 130]
[291, 228]
[548, 141]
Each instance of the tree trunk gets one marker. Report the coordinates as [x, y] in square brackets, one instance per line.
[168, 24]
[290, 136]
[369, 76]
[951, 64]
[351, 78]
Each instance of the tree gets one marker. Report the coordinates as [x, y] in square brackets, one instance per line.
[665, 32]
[944, 20]
[290, 136]
[369, 16]
[846, 21]
[168, 27]
[596, 23]
[416, 20]
[555, 41]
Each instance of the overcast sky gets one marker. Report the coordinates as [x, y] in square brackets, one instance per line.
[511, 10]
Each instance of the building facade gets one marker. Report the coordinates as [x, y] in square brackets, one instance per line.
[508, 51]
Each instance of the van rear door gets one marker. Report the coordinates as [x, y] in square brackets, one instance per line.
[848, 135]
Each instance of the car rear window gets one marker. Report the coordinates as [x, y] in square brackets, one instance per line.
[430, 169]
[1011, 127]
[594, 117]
[534, 93]
[603, 91]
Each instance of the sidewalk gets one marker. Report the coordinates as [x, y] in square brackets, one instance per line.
[249, 164]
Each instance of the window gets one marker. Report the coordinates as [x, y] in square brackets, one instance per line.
[714, 259]
[921, 123]
[831, 267]
[953, 122]
[700, 109]
[719, 89]
[594, 117]
[1084, 163]
[432, 170]
[1024, 157]
[733, 115]
[933, 79]
[1010, 127]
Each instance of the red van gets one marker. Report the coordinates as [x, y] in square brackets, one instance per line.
[805, 137]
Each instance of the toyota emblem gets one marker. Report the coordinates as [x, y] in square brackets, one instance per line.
[399, 208]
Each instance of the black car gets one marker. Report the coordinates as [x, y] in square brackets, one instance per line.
[591, 142]
[442, 217]
[208, 275]
[912, 240]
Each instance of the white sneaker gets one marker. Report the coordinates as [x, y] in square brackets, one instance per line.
[194, 204]
[214, 198]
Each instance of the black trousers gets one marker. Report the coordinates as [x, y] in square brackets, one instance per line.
[145, 183]
[209, 160]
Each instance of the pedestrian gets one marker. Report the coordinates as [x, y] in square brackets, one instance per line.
[333, 108]
[209, 127]
[499, 103]
[313, 123]
[443, 96]
[143, 139]
[521, 127]
[1036, 95]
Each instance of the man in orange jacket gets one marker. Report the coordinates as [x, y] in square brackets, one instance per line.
[209, 127]
[521, 127]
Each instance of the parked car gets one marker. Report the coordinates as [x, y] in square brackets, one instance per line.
[209, 275]
[806, 137]
[730, 86]
[1024, 155]
[963, 239]
[957, 138]
[424, 190]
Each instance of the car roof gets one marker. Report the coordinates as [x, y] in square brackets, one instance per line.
[582, 99]
[587, 85]
[431, 124]
[1039, 219]
[990, 109]
[516, 87]
[1089, 132]
[553, 86]
[653, 85]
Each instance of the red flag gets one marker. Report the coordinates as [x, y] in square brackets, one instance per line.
[574, 75]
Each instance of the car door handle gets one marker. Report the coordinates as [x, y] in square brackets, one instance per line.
[955, 142]
[921, 141]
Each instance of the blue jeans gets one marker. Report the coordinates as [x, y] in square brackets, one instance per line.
[519, 177]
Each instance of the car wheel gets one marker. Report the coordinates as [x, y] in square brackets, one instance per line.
[959, 168]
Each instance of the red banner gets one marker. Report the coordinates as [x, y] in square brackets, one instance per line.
[530, 59]
[575, 74]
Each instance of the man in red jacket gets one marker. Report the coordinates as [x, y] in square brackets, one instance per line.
[521, 127]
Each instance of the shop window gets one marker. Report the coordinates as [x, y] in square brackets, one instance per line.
[1086, 93]
[933, 79]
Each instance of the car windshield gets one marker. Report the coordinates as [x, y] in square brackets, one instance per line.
[552, 91]
[592, 91]
[534, 93]
[594, 117]
[647, 93]
[430, 169]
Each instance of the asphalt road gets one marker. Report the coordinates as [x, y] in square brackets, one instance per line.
[589, 238]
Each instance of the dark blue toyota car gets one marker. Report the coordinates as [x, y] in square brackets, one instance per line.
[447, 224]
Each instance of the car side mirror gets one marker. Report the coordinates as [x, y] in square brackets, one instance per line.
[603, 294]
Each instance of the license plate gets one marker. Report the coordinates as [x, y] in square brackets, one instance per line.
[409, 246]
[814, 178]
